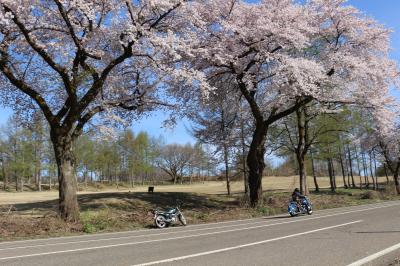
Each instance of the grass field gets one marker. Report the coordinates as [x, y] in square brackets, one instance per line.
[270, 183]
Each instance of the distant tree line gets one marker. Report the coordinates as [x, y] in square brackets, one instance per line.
[27, 158]
[329, 140]
[333, 143]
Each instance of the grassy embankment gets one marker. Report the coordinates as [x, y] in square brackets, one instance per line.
[123, 210]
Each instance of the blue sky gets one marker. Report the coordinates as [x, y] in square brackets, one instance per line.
[386, 12]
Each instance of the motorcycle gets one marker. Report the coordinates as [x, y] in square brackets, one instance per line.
[167, 217]
[304, 207]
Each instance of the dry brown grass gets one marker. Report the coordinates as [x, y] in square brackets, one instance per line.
[270, 183]
[18, 226]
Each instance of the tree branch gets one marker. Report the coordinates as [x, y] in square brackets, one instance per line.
[165, 14]
[276, 116]
[41, 51]
[25, 88]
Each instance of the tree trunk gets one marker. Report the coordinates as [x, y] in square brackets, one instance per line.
[67, 185]
[302, 175]
[16, 180]
[386, 173]
[5, 180]
[181, 175]
[3, 169]
[359, 169]
[301, 150]
[353, 184]
[342, 167]
[313, 170]
[397, 181]
[226, 155]
[371, 172]
[330, 171]
[346, 165]
[174, 177]
[244, 165]
[40, 181]
[376, 172]
[116, 177]
[37, 170]
[255, 162]
[131, 178]
[226, 161]
[85, 177]
[365, 169]
[23, 172]
[333, 173]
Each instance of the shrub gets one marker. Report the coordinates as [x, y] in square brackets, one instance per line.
[370, 195]
[95, 221]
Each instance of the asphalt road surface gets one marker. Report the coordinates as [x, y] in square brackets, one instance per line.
[359, 235]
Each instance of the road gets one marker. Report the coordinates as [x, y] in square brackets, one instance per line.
[361, 234]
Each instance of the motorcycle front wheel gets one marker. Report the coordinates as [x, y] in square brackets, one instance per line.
[309, 210]
[160, 221]
[182, 219]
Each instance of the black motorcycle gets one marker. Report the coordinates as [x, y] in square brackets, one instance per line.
[167, 217]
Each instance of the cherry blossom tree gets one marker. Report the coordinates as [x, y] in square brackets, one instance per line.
[282, 55]
[79, 59]
[385, 137]
[217, 124]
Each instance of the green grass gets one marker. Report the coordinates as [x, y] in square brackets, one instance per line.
[97, 221]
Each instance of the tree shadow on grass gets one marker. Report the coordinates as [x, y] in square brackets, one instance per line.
[41, 205]
[135, 200]
[341, 191]
[153, 200]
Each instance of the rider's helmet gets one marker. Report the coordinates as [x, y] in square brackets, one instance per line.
[296, 190]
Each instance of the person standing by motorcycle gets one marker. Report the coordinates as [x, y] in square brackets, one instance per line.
[297, 197]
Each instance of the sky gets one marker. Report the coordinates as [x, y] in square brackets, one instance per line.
[385, 11]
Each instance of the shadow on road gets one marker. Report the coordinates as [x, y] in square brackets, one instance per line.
[378, 232]
[278, 217]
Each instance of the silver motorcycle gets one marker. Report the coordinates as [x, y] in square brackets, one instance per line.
[167, 217]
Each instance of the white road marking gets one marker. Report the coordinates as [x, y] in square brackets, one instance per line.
[242, 246]
[188, 231]
[383, 204]
[375, 256]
